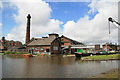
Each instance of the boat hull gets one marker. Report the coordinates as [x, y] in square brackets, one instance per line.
[78, 55]
[82, 55]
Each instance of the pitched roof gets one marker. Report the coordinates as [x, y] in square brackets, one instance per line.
[72, 40]
[41, 41]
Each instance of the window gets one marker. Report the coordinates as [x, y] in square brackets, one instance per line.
[35, 48]
[55, 48]
[47, 50]
[41, 49]
[62, 43]
[53, 38]
[30, 48]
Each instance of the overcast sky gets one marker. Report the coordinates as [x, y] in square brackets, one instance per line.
[85, 22]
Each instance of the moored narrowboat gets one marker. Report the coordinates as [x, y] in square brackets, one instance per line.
[81, 53]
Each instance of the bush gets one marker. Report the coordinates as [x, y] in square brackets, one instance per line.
[7, 52]
[19, 53]
[13, 53]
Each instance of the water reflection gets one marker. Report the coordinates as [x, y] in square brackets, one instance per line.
[53, 67]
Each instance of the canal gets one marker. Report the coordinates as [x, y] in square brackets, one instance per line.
[53, 67]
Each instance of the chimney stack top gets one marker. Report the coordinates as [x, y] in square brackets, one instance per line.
[29, 16]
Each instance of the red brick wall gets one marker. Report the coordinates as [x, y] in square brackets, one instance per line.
[44, 48]
[55, 43]
[112, 46]
[67, 44]
[65, 41]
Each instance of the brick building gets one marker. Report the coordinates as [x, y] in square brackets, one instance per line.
[97, 47]
[51, 45]
[66, 44]
[9, 45]
[109, 47]
[45, 45]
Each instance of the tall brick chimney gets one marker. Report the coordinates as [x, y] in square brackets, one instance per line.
[28, 29]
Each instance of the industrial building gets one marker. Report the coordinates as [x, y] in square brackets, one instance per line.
[53, 44]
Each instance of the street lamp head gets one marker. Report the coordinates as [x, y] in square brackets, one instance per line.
[110, 19]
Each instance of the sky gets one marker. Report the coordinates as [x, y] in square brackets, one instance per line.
[85, 22]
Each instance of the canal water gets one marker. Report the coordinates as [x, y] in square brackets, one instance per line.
[53, 67]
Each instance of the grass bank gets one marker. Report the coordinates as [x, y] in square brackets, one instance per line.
[102, 57]
[1, 53]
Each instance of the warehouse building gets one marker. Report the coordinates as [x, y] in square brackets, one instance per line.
[51, 45]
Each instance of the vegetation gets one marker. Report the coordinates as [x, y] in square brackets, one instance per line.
[19, 53]
[1, 53]
[47, 55]
[8, 52]
[102, 57]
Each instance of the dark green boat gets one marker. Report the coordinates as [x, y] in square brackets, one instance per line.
[81, 53]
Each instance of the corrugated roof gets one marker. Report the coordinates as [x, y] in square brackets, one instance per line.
[42, 41]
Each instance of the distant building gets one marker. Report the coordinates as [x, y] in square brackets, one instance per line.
[9, 45]
[97, 47]
[118, 47]
[109, 47]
